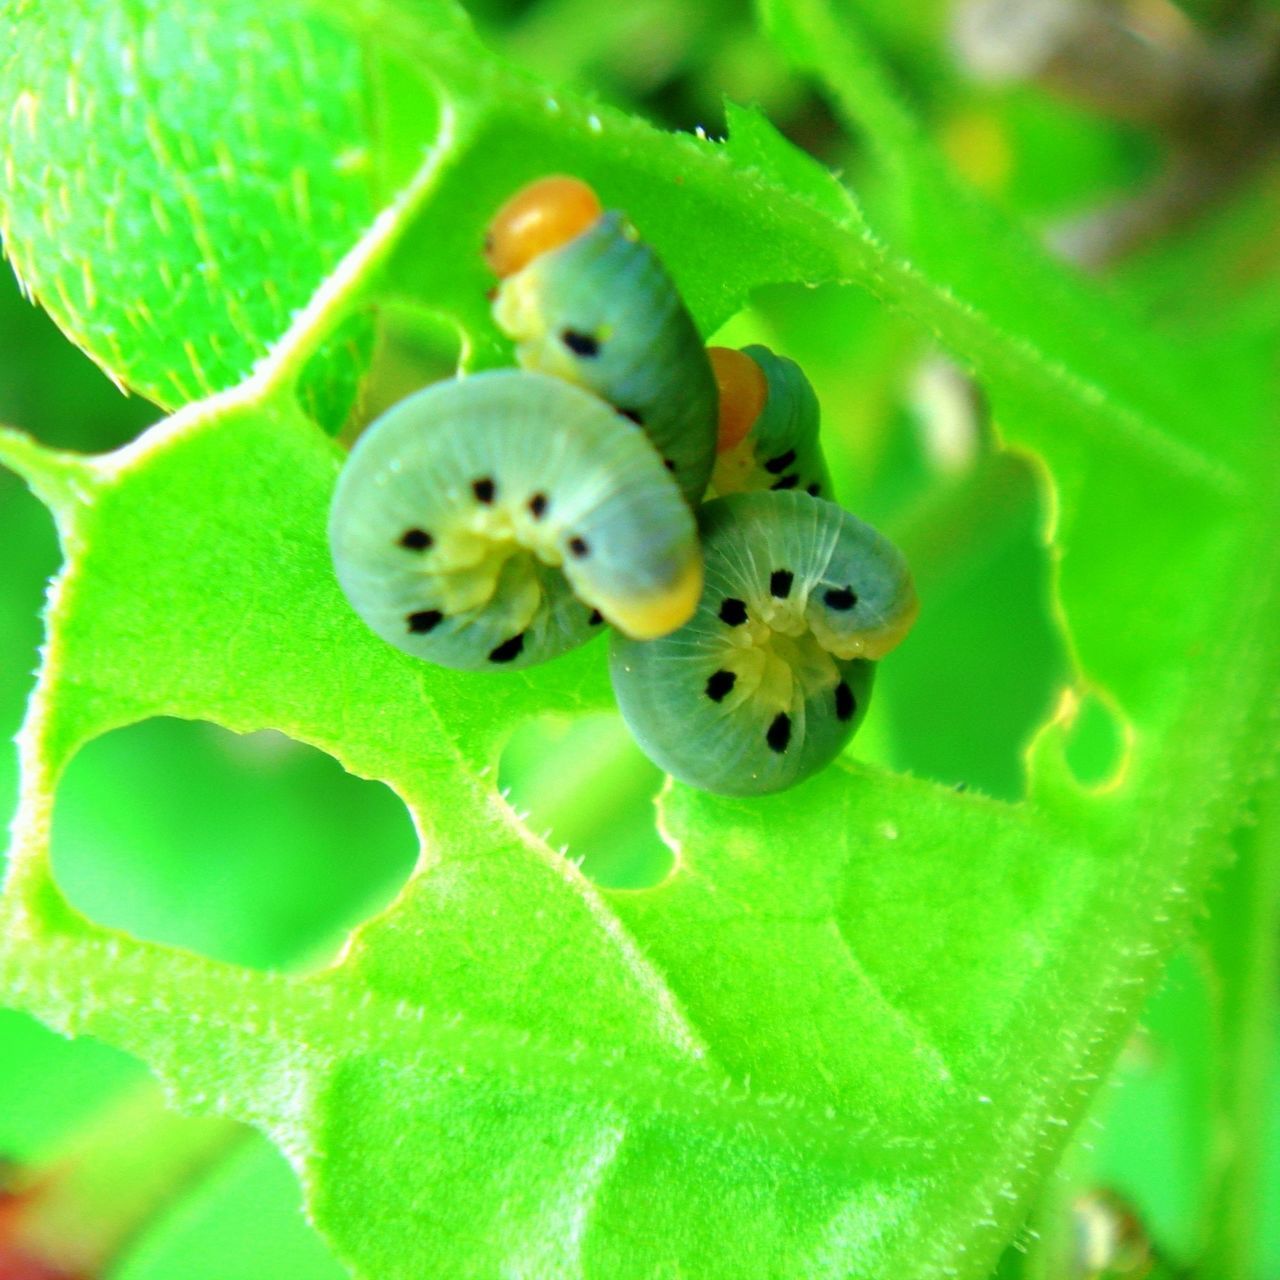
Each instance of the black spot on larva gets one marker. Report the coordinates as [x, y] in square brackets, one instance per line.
[483, 489]
[720, 684]
[733, 611]
[595, 619]
[581, 344]
[537, 505]
[778, 735]
[634, 414]
[845, 704]
[425, 620]
[787, 482]
[776, 466]
[508, 650]
[842, 599]
[416, 539]
[814, 490]
[669, 464]
[578, 547]
[780, 581]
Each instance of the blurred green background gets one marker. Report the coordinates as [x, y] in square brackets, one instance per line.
[263, 852]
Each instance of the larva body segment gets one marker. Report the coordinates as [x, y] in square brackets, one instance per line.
[771, 677]
[600, 311]
[495, 521]
[780, 449]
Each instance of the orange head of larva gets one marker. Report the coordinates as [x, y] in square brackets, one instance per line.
[542, 216]
[743, 390]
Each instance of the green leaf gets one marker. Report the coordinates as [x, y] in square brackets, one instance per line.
[852, 1029]
[175, 185]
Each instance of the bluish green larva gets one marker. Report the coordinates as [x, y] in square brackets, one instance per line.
[771, 676]
[592, 304]
[769, 421]
[495, 521]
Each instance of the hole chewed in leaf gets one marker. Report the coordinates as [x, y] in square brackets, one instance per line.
[587, 789]
[962, 698]
[250, 848]
[1095, 747]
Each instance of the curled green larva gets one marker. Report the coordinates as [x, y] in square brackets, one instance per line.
[771, 677]
[769, 423]
[496, 521]
[600, 310]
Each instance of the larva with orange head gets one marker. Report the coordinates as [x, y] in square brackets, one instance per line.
[768, 427]
[586, 300]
